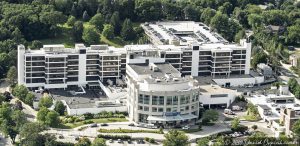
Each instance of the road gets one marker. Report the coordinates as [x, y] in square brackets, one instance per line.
[92, 132]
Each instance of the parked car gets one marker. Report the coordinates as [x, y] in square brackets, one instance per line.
[236, 108]
[228, 111]
[131, 124]
[274, 105]
[104, 124]
[296, 105]
[186, 127]
[140, 141]
[177, 126]
[111, 141]
[141, 125]
[61, 137]
[76, 138]
[120, 141]
[93, 125]
[129, 141]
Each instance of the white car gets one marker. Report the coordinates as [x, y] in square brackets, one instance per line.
[186, 127]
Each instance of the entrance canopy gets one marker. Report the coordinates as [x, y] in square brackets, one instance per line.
[172, 118]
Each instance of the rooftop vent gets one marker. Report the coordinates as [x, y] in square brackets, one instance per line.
[153, 67]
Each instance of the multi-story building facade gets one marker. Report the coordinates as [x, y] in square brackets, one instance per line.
[191, 48]
[158, 94]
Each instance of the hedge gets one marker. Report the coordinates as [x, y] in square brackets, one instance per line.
[128, 131]
[123, 137]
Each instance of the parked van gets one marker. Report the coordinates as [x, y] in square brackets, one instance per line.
[236, 108]
[228, 111]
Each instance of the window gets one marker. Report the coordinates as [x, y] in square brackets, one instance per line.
[168, 109]
[146, 99]
[169, 100]
[174, 109]
[182, 99]
[140, 98]
[160, 109]
[175, 100]
[154, 109]
[140, 107]
[161, 100]
[146, 108]
[154, 100]
[219, 95]
[187, 108]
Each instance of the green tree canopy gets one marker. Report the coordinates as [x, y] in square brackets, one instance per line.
[98, 21]
[175, 138]
[42, 113]
[77, 30]
[20, 91]
[12, 75]
[127, 32]
[52, 119]
[83, 142]
[90, 35]
[46, 101]
[210, 116]
[29, 99]
[116, 23]
[108, 31]
[71, 21]
[59, 107]
[99, 142]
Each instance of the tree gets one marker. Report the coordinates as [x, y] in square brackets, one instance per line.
[203, 141]
[20, 91]
[29, 99]
[30, 134]
[42, 113]
[99, 142]
[254, 127]
[90, 35]
[108, 31]
[71, 21]
[52, 119]
[240, 35]
[59, 107]
[296, 128]
[12, 75]
[116, 22]
[78, 30]
[294, 34]
[260, 57]
[36, 44]
[2, 98]
[18, 105]
[45, 101]
[235, 123]
[210, 116]
[207, 14]
[97, 21]
[175, 138]
[83, 142]
[127, 32]
[85, 16]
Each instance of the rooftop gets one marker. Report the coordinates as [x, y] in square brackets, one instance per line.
[185, 32]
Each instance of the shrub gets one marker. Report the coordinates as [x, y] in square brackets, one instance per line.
[88, 122]
[127, 131]
[123, 137]
[151, 140]
[88, 116]
[147, 139]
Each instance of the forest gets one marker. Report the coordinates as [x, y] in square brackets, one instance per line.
[37, 22]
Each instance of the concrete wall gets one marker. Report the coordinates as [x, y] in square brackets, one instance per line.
[235, 81]
[21, 61]
[206, 99]
[95, 110]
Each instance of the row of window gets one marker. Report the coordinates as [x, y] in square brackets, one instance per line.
[168, 109]
[170, 100]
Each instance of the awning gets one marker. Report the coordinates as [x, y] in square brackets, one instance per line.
[172, 118]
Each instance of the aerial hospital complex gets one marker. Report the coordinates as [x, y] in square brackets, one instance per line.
[186, 66]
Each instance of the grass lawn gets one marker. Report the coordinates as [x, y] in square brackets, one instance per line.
[116, 42]
[64, 37]
[190, 130]
[127, 131]
[76, 124]
[251, 118]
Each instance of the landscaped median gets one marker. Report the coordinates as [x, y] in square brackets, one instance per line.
[120, 130]
[90, 121]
